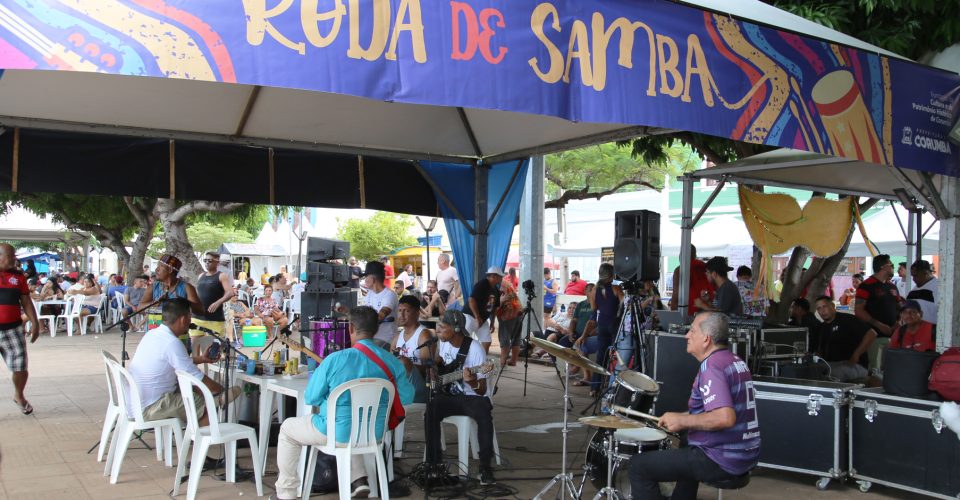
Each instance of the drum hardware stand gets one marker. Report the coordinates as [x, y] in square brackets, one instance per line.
[124, 328]
[564, 478]
[609, 491]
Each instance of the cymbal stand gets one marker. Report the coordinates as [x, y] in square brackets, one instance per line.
[564, 478]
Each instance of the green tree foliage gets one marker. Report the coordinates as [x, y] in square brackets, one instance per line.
[249, 219]
[911, 28]
[377, 235]
[596, 171]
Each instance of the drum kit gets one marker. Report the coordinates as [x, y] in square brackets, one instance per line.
[629, 429]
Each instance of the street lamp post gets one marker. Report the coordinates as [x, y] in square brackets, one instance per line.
[427, 228]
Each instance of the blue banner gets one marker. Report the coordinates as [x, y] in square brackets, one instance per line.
[642, 62]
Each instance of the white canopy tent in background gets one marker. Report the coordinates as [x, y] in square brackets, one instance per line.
[271, 257]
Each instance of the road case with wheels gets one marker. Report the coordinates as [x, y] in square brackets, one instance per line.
[902, 443]
[803, 426]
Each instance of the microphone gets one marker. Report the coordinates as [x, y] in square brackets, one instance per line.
[428, 343]
[194, 326]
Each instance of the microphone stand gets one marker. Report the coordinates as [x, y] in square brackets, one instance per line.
[125, 327]
[227, 360]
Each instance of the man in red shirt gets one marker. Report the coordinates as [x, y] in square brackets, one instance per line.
[698, 284]
[14, 295]
[388, 272]
[575, 286]
[913, 332]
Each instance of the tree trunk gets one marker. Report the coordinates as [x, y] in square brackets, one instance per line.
[144, 212]
[173, 218]
[817, 277]
[176, 241]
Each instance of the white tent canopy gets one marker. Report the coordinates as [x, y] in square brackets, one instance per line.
[22, 225]
[885, 231]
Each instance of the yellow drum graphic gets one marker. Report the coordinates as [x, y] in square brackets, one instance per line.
[849, 127]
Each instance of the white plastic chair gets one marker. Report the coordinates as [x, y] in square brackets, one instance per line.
[244, 297]
[113, 406]
[365, 394]
[96, 317]
[71, 314]
[49, 318]
[116, 311]
[467, 440]
[128, 396]
[213, 434]
[293, 307]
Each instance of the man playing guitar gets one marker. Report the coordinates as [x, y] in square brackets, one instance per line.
[467, 397]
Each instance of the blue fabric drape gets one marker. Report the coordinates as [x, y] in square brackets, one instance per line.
[500, 230]
[457, 183]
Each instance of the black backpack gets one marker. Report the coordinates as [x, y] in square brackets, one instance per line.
[325, 475]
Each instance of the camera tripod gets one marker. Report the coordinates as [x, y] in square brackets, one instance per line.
[630, 338]
[531, 318]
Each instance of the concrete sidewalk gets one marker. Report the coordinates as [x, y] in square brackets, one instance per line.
[44, 455]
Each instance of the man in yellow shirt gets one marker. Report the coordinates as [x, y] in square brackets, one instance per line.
[265, 277]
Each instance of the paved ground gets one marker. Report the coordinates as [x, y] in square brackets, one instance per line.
[45, 455]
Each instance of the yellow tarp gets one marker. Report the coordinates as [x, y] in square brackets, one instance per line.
[777, 224]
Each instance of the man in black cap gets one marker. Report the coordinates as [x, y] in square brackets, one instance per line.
[383, 300]
[727, 299]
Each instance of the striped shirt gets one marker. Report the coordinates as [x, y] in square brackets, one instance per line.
[13, 284]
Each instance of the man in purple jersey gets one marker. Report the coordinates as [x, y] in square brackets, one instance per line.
[723, 432]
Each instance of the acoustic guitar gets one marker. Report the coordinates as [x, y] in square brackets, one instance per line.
[298, 347]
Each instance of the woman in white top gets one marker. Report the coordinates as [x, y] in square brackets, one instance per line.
[410, 336]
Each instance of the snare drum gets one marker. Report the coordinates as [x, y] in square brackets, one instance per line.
[629, 442]
[635, 391]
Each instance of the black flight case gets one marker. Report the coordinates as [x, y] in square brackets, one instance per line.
[803, 426]
[902, 443]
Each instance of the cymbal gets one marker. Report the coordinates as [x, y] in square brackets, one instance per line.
[569, 355]
[611, 422]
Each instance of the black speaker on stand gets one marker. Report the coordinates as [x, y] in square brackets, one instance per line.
[636, 246]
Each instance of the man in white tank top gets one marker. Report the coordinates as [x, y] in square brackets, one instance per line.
[410, 336]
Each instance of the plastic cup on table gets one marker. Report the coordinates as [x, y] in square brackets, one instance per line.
[251, 367]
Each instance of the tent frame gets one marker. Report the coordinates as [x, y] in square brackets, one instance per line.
[927, 193]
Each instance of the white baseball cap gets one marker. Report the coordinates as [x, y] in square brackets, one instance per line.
[495, 270]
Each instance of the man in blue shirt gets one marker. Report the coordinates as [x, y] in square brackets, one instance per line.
[336, 369]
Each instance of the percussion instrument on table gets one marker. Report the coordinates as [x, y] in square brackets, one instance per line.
[634, 390]
[329, 336]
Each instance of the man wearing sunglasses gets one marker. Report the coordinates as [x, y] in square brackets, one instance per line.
[215, 289]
